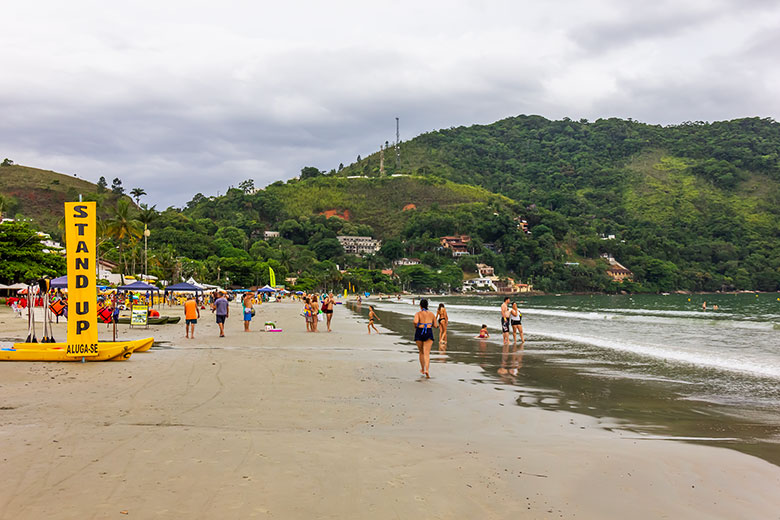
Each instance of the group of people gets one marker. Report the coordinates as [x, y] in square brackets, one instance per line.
[425, 321]
[315, 308]
[220, 306]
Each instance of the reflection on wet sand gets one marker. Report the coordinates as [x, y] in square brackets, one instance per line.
[511, 360]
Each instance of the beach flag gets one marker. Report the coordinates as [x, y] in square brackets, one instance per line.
[345, 293]
[272, 276]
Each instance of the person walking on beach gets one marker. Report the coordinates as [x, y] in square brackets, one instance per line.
[191, 315]
[247, 305]
[307, 314]
[516, 318]
[327, 308]
[505, 319]
[371, 316]
[442, 319]
[424, 323]
[222, 310]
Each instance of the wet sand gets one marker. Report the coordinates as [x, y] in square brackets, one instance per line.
[339, 425]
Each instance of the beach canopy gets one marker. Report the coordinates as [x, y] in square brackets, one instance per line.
[138, 286]
[266, 289]
[17, 286]
[4, 286]
[183, 287]
[60, 282]
[298, 292]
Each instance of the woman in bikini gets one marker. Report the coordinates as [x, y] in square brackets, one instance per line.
[371, 316]
[516, 320]
[327, 308]
[424, 323]
[442, 319]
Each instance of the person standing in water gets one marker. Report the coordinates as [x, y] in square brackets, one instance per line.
[371, 317]
[505, 319]
[516, 318]
[442, 319]
[424, 323]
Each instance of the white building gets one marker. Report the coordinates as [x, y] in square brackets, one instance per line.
[407, 261]
[270, 234]
[479, 284]
[359, 245]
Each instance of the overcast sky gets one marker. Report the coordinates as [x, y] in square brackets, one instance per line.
[180, 97]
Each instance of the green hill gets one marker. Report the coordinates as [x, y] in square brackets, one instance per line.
[697, 204]
[38, 195]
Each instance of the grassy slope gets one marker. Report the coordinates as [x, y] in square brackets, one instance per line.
[663, 191]
[41, 193]
[378, 202]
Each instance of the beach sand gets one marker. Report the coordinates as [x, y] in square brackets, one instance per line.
[328, 425]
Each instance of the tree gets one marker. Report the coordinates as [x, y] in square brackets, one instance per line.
[137, 193]
[392, 249]
[327, 248]
[23, 256]
[122, 227]
[234, 236]
[116, 186]
[309, 172]
[7, 162]
[247, 186]
[102, 184]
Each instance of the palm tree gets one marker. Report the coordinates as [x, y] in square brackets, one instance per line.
[122, 226]
[137, 193]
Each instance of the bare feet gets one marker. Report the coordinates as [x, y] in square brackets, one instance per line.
[427, 375]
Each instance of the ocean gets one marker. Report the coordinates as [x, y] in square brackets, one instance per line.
[657, 366]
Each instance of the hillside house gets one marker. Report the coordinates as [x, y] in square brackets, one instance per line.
[485, 270]
[617, 271]
[359, 245]
[270, 234]
[407, 261]
[458, 245]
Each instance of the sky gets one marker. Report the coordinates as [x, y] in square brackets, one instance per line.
[181, 97]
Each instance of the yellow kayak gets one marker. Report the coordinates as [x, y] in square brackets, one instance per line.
[146, 345]
[108, 350]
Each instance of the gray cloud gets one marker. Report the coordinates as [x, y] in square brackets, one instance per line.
[180, 98]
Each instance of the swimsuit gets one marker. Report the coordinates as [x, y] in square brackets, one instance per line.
[517, 320]
[504, 324]
[423, 332]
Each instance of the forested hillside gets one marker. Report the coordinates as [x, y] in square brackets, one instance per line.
[693, 206]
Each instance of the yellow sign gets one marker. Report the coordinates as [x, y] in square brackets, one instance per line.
[272, 276]
[82, 284]
[139, 315]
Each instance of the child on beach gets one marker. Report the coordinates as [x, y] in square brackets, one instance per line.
[371, 316]
[483, 332]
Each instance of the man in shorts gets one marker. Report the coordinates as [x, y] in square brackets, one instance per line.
[505, 319]
[222, 311]
[191, 315]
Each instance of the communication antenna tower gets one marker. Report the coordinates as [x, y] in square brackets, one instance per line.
[398, 145]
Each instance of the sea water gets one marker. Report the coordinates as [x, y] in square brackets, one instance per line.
[651, 364]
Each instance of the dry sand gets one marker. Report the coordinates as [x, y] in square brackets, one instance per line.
[339, 425]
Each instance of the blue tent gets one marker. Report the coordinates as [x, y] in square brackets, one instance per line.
[183, 287]
[266, 289]
[60, 282]
[138, 286]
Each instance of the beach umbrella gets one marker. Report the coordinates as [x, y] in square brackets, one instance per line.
[266, 289]
[298, 292]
